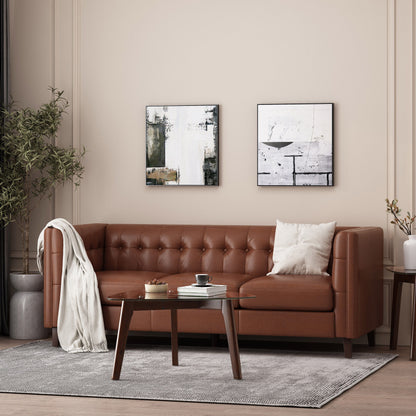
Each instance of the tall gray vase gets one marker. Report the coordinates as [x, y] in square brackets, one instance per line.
[26, 307]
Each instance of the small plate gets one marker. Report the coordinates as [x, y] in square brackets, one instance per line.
[197, 285]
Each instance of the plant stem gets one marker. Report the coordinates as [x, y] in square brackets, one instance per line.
[401, 225]
[25, 232]
[25, 239]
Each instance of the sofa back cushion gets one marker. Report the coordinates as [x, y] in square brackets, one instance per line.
[192, 248]
[93, 236]
[189, 248]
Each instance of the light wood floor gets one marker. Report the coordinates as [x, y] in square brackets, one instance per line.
[390, 391]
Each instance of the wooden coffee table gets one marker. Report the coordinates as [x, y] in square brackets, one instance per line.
[138, 301]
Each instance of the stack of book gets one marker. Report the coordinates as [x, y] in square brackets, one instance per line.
[208, 290]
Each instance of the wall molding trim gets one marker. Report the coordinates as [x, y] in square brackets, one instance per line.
[65, 75]
[414, 99]
[390, 124]
[76, 137]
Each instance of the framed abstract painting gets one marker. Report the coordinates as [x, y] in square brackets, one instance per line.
[182, 145]
[295, 144]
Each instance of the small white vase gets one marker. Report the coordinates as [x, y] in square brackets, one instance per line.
[409, 253]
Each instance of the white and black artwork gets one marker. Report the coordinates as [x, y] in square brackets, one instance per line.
[182, 145]
[295, 144]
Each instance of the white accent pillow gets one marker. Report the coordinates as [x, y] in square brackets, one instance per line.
[302, 248]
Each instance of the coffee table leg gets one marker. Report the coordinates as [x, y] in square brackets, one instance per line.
[174, 335]
[123, 330]
[228, 314]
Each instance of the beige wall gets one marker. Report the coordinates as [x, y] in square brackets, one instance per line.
[237, 54]
[115, 57]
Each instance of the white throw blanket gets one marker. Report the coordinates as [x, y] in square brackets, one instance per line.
[80, 319]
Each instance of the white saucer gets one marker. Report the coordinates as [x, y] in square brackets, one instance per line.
[197, 285]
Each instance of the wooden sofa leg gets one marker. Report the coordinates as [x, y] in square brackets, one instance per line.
[55, 341]
[215, 340]
[371, 336]
[348, 348]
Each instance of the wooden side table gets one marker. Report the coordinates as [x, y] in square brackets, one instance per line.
[402, 275]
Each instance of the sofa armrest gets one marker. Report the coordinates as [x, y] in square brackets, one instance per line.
[357, 279]
[93, 236]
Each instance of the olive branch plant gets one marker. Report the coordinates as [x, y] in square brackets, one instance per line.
[32, 165]
[405, 224]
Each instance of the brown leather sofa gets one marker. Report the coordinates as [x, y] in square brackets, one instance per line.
[346, 304]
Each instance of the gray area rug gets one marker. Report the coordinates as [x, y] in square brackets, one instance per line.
[270, 378]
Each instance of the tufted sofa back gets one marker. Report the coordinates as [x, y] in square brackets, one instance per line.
[189, 248]
[182, 248]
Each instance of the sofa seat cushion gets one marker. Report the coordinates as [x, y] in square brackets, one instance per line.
[289, 293]
[232, 280]
[111, 282]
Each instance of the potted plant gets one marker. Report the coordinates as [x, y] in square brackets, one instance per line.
[32, 165]
[405, 224]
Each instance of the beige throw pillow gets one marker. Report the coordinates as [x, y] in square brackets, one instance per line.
[302, 248]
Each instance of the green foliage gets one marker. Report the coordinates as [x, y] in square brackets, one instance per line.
[32, 164]
[404, 224]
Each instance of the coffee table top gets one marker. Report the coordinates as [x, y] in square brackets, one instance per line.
[141, 295]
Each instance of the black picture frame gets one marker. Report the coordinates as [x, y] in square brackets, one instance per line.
[295, 144]
[182, 145]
